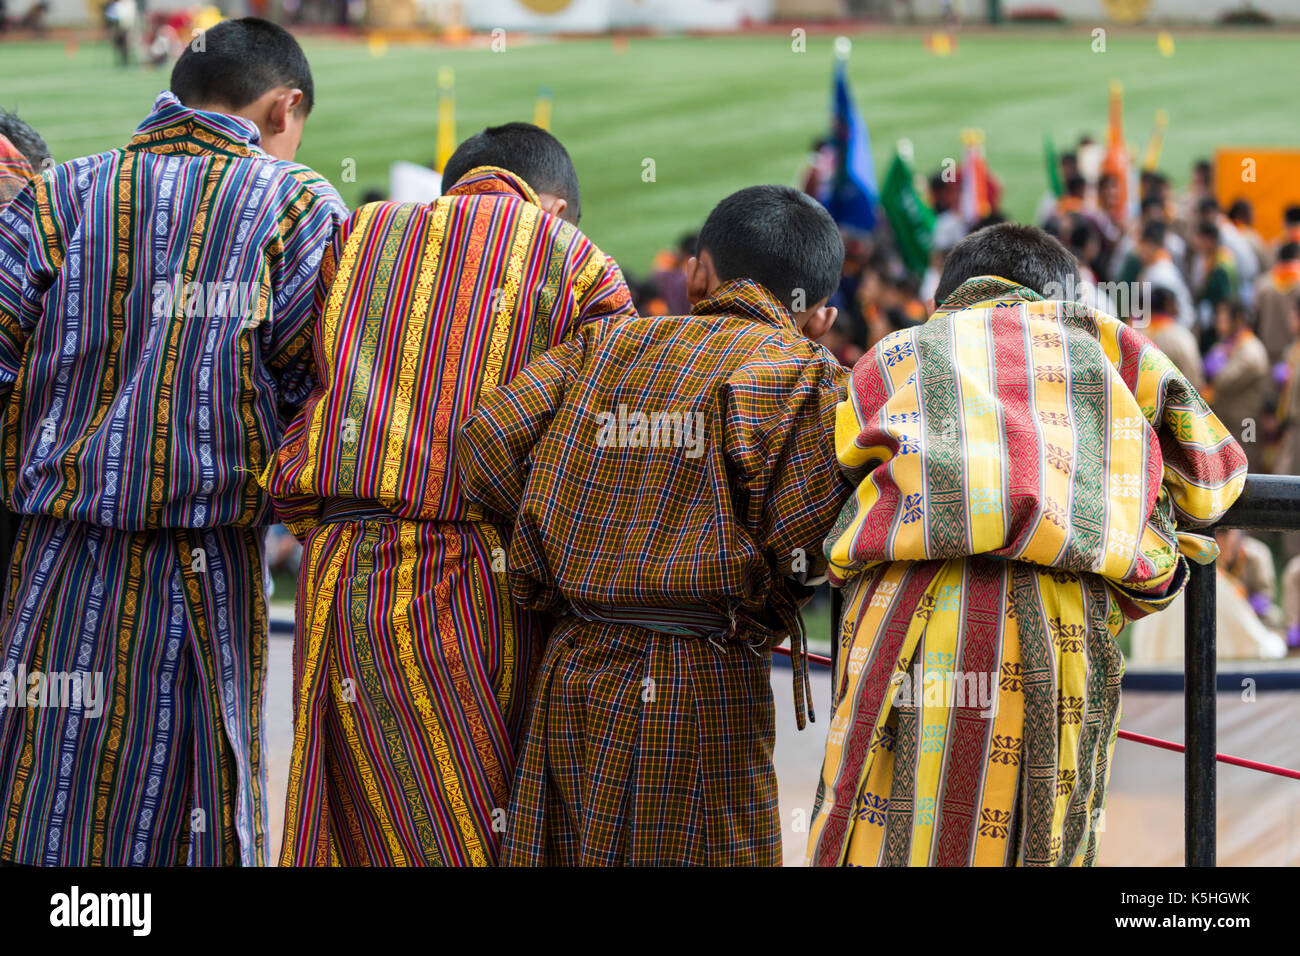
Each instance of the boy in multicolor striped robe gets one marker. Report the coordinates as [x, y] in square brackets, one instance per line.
[412, 665]
[672, 481]
[155, 306]
[1029, 477]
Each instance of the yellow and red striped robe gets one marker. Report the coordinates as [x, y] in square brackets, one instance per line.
[1029, 474]
[411, 663]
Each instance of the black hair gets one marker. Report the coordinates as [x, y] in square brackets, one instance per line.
[1241, 211]
[237, 61]
[1164, 301]
[1292, 216]
[781, 238]
[1024, 254]
[1153, 203]
[25, 139]
[528, 151]
[1289, 252]
[1075, 185]
[1209, 230]
[1154, 232]
[1207, 206]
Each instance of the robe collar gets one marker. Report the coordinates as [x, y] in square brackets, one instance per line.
[175, 128]
[980, 289]
[493, 180]
[748, 298]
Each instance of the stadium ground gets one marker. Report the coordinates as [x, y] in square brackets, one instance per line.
[718, 113]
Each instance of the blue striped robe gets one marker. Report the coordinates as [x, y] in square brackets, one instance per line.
[156, 311]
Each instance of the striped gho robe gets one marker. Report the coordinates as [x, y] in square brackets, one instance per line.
[672, 480]
[1029, 477]
[155, 335]
[411, 662]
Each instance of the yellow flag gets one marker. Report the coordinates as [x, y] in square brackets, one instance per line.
[446, 116]
[542, 111]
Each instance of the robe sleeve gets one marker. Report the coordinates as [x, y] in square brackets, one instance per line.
[27, 268]
[780, 444]
[495, 444]
[600, 289]
[302, 267]
[1204, 469]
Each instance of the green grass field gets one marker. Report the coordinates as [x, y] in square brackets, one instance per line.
[716, 114]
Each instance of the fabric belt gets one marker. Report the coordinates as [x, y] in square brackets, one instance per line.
[354, 509]
[720, 630]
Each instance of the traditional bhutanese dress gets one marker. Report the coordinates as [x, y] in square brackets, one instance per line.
[1027, 474]
[678, 481]
[155, 306]
[411, 662]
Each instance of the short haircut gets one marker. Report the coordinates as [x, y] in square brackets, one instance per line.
[25, 139]
[781, 238]
[1292, 216]
[1164, 301]
[239, 61]
[1207, 206]
[1075, 185]
[1208, 230]
[528, 151]
[1023, 254]
[1289, 252]
[1154, 232]
[1241, 211]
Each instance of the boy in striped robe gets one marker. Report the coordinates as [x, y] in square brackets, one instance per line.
[155, 306]
[412, 664]
[1030, 474]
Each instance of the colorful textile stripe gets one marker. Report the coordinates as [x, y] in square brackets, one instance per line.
[413, 674]
[155, 322]
[1060, 441]
[427, 308]
[131, 732]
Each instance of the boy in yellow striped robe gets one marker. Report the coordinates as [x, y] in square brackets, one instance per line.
[1029, 472]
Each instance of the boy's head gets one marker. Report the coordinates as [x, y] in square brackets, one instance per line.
[1023, 254]
[782, 239]
[532, 154]
[251, 68]
[25, 139]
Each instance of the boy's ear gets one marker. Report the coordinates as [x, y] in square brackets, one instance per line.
[820, 321]
[697, 280]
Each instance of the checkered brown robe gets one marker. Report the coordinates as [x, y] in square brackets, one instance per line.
[646, 747]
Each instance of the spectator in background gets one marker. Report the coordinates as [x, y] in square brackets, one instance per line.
[23, 154]
[1290, 230]
[1163, 328]
[1238, 246]
[1241, 215]
[1248, 562]
[1214, 277]
[1157, 270]
[1240, 378]
[1276, 294]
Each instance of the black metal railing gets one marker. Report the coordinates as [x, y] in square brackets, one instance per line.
[1268, 503]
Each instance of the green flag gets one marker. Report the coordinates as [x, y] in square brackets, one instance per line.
[1053, 165]
[910, 218]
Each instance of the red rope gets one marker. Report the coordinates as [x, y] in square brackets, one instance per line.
[1137, 738]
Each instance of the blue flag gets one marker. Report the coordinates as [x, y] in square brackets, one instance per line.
[853, 194]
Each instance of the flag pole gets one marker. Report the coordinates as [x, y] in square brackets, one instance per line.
[446, 116]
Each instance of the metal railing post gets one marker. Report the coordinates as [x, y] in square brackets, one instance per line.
[1200, 714]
